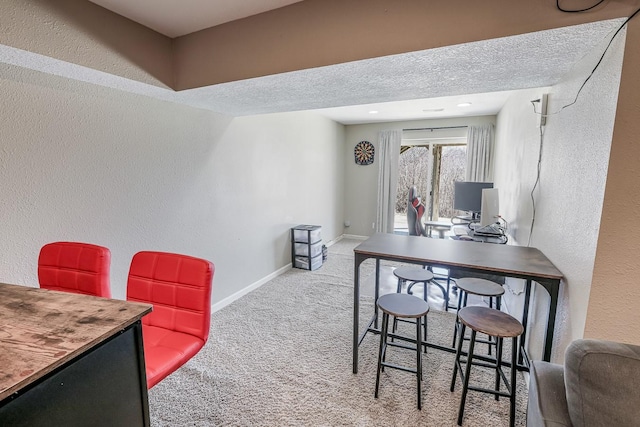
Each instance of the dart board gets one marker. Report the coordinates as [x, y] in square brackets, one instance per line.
[363, 153]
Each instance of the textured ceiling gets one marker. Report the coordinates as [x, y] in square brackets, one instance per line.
[511, 63]
[431, 76]
[177, 18]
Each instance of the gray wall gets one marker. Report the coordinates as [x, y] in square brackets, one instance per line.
[84, 163]
[569, 198]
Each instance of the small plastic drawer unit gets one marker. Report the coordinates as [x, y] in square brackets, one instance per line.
[307, 234]
[306, 247]
[303, 262]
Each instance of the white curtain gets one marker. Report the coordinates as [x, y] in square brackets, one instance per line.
[480, 153]
[388, 156]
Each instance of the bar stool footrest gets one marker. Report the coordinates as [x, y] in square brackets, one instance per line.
[483, 364]
[412, 321]
[398, 367]
[406, 347]
[490, 391]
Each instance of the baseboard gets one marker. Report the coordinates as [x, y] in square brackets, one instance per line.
[244, 291]
[334, 241]
[354, 236]
[346, 236]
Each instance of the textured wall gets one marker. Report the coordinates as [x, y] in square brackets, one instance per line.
[517, 141]
[613, 305]
[569, 198]
[316, 33]
[83, 33]
[81, 162]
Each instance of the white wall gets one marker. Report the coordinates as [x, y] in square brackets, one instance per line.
[85, 163]
[361, 182]
[569, 198]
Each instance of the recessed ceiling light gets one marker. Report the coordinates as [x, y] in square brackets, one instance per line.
[464, 104]
[432, 110]
[373, 112]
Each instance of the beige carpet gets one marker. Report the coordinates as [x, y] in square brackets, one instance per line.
[281, 356]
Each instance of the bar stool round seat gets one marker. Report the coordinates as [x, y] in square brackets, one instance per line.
[417, 275]
[496, 324]
[402, 306]
[482, 287]
[479, 287]
[491, 322]
[413, 274]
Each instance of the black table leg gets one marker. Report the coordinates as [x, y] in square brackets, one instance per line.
[551, 323]
[525, 320]
[356, 310]
[377, 293]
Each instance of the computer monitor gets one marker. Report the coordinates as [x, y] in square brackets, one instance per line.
[490, 206]
[468, 196]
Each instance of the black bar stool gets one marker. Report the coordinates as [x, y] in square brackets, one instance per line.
[413, 276]
[482, 288]
[496, 324]
[403, 306]
[417, 275]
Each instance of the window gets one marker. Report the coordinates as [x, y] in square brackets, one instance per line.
[430, 159]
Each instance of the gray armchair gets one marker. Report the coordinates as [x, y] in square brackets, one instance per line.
[599, 385]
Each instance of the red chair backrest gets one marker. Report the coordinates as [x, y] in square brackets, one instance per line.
[178, 286]
[75, 267]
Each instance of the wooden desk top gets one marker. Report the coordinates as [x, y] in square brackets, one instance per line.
[41, 330]
[505, 260]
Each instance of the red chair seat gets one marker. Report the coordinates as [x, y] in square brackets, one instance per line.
[165, 351]
[179, 287]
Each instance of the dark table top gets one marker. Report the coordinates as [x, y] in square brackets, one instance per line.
[508, 260]
[41, 330]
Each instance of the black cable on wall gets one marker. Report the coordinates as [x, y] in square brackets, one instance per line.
[539, 166]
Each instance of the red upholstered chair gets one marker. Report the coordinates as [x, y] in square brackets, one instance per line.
[179, 288]
[75, 267]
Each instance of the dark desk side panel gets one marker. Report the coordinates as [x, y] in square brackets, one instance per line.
[100, 388]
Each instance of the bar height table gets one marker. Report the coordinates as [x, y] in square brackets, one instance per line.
[505, 260]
